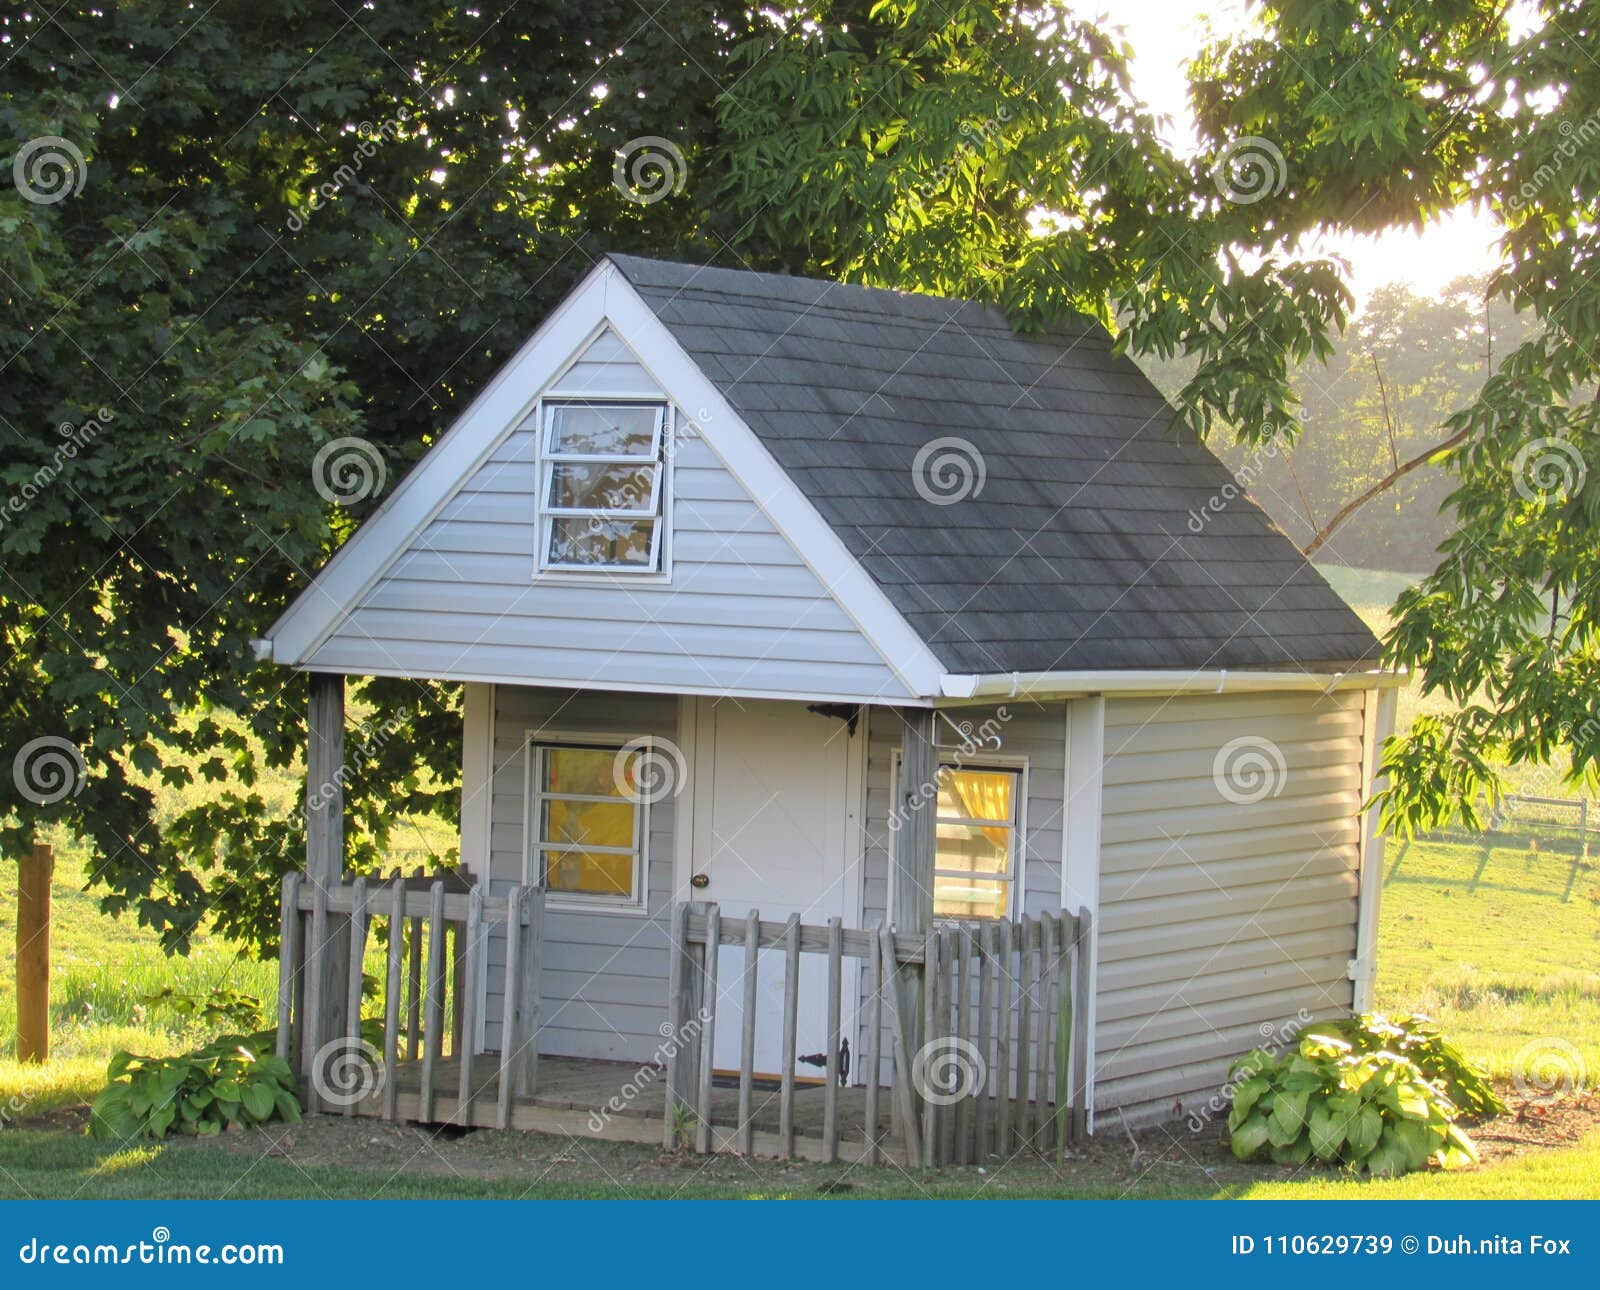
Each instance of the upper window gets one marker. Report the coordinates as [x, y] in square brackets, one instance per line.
[601, 488]
[975, 858]
[587, 822]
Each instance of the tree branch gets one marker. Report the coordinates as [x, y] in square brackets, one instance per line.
[1366, 495]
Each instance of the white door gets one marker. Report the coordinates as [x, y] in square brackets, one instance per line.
[776, 802]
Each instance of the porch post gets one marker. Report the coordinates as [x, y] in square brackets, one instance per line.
[328, 954]
[913, 850]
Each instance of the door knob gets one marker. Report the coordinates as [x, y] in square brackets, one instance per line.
[700, 881]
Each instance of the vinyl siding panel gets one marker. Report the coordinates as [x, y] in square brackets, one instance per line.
[604, 977]
[741, 611]
[1221, 921]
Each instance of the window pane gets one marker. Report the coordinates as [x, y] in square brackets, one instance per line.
[589, 873]
[588, 771]
[968, 848]
[976, 794]
[602, 486]
[596, 542]
[604, 431]
[969, 897]
[590, 824]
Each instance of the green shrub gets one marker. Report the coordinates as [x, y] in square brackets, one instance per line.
[212, 1006]
[1441, 1062]
[1368, 1110]
[235, 1080]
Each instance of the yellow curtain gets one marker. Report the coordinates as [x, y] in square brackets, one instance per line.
[985, 796]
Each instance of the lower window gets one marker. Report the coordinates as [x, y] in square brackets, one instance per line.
[975, 857]
[587, 823]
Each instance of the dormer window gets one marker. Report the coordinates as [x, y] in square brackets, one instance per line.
[601, 487]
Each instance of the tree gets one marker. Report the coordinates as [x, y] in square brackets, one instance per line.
[251, 236]
[239, 235]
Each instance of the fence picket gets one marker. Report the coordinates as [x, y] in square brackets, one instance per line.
[392, 1000]
[708, 1032]
[433, 1032]
[791, 1021]
[747, 1036]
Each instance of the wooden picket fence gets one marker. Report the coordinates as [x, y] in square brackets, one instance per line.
[437, 928]
[1001, 1062]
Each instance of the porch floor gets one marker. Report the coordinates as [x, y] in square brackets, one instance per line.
[623, 1101]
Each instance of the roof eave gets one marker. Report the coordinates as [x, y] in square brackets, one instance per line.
[969, 687]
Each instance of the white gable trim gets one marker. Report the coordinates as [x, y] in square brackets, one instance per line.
[603, 298]
[388, 531]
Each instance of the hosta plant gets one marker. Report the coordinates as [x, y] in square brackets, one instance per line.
[235, 1080]
[1440, 1061]
[1374, 1111]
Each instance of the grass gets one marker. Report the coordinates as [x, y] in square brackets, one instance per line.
[1496, 938]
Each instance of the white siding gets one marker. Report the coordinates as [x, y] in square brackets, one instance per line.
[741, 612]
[604, 975]
[1220, 919]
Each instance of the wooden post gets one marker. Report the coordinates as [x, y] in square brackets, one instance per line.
[33, 953]
[904, 1097]
[325, 850]
[914, 840]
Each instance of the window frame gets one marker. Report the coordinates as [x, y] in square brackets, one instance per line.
[659, 510]
[534, 847]
[1017, 766]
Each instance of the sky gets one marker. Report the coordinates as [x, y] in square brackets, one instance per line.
[1165, 33]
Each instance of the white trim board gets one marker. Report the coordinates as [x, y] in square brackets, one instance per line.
[1083, 778]
[603, 299]
[1378, 724]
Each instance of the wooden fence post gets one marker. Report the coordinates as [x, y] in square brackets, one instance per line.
[34, 872]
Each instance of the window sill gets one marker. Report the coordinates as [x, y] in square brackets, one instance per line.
[561, 904]
[602, 578]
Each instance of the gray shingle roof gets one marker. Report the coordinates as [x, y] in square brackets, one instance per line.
[1078, 551]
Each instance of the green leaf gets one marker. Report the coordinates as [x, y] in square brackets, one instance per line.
[1288, 1117]
[1249, 1138]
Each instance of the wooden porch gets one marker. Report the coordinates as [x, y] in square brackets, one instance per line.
[973, 1035]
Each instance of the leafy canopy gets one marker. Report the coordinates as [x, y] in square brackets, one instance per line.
[301, 224]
